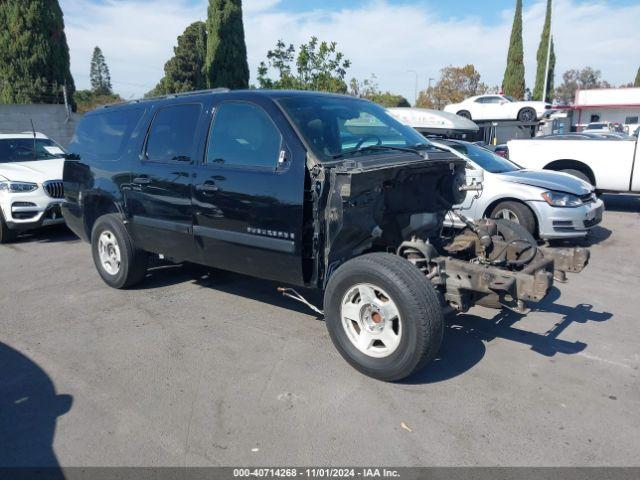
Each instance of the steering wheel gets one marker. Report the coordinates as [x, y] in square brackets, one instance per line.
[368, 137]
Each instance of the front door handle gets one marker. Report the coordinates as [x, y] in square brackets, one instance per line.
[207, 187]
[142, 180]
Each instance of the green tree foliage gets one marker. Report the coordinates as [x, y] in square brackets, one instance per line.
[542, 59]
[317, 66]
[637, 81]
[513, 82]
[34, 55]
[370, 90]
[185, 71]
[574, 80]
[99, 74]
[455, 84]
[87, 100]
[226, 59]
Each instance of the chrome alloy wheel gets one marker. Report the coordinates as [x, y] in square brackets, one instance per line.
[371, 320]
[109, 252]
[507, 214]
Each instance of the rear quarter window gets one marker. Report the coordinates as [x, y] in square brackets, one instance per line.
[104, 136]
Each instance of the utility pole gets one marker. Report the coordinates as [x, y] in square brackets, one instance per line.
[66, 102]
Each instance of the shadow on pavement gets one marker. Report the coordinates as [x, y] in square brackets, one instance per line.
[465, 337]
[162, 275]
[51, 234]
[29, 407]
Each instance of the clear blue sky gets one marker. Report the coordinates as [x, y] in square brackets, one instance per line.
[485, 9]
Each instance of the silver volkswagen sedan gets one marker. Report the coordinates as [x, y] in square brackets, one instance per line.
[550, 205]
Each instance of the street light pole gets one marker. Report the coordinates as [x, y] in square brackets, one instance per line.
[416, 86]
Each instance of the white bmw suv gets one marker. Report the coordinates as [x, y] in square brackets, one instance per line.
[31, 188]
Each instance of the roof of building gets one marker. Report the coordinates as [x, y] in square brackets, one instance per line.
[607, 98]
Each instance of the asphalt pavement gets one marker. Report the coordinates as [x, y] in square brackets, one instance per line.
[220, 370]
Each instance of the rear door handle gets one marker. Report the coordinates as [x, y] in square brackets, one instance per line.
[207, 187]
[142, 180]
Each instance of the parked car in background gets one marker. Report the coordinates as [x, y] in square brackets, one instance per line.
[549, 205]
[603, 127]
[31, 189]
[609, 164]
[435, 122]
[499, 107]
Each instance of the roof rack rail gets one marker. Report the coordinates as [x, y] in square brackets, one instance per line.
[171, 95]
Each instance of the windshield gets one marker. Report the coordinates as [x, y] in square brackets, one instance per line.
[485, 159]
[342, 126]
[21, 150]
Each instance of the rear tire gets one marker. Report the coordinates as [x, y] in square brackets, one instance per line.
[6, 234]
[465, 114]
[410, 319]
[579, 174]
[518, 213]
[527, 115]
[118, 261]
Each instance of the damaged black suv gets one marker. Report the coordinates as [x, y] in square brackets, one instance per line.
[308, 189]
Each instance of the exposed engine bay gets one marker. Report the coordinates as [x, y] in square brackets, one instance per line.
[401, 207]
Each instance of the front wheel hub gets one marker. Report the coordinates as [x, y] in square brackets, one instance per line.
[371, 320]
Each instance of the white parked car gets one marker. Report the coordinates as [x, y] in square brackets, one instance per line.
[601, 127]
[499, 107]
[550, 205]
[609, 163]
[31, 188]
[434, 122]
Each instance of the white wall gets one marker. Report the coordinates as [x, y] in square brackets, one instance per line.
[615, 115]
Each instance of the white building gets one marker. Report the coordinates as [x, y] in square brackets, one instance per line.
[615, 105]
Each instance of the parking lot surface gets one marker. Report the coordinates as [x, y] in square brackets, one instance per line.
[220, 370]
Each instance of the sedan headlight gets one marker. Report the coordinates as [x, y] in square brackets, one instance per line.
[18, 187]
[558, 199]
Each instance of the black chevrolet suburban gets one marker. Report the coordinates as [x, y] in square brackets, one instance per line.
[308, 189]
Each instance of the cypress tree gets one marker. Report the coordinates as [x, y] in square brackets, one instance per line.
[185, 71]
[542, 58]
[513, 82]
[99, 74]
[637, 82]
[34, 55]
[226, 63]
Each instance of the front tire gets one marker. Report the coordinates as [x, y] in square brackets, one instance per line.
[384, 316]
[6, 234]
[527, 115]
[516, 212]
[118, 261]
[578, 174]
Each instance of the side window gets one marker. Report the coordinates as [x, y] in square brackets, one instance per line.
[172, 134]
[104, 136]
[481, 100]
[243, 134]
